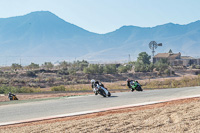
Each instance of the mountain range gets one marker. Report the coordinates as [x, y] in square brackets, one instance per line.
[42, 36]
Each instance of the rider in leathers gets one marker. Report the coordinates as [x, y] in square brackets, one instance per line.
[132, 84]
[95, 85]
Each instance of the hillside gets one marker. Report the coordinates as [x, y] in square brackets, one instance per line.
[42, 36]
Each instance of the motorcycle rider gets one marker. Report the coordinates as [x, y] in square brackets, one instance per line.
[132, 84]
[94, 86]
[129, 82]
[12, 96]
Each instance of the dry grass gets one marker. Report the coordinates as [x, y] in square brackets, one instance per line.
[172, 83]
[146, 84]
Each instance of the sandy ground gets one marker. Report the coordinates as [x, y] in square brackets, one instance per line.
[181, 116]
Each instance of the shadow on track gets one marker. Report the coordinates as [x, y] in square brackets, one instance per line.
[113, 96]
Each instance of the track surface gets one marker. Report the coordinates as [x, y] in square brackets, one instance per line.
[48, 108]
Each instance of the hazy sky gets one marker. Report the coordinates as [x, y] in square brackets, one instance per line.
[102, 16]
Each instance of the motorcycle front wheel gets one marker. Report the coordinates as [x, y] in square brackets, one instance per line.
[102, 92]
[109, 94]
[139, 88]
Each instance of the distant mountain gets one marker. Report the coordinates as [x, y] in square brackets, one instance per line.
[42, 36]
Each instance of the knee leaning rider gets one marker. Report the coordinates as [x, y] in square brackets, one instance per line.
[94, 86]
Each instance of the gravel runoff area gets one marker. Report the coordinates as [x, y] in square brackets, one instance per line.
[180, 116]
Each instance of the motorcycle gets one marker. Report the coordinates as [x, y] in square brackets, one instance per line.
[13, 97]
[102, 91]
[137, 87]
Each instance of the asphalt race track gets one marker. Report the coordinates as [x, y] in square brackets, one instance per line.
[40, 109]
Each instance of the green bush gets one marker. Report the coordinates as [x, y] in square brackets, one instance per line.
[58, 88]
[197, 66]
[167, 71]
[93, 69]
[33, 66]
[16, 66]
[123, 69]
[72, 71]
[63, 72]
[31, 74]
[1, 72]
[110, 69]
[141, 67]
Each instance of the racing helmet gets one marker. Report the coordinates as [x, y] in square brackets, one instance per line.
[92, 81]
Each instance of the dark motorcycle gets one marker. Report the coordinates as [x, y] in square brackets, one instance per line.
[13, 97]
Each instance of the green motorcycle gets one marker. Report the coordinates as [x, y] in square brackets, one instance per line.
[136, 86]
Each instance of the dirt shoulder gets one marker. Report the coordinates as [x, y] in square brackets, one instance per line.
[174, 116]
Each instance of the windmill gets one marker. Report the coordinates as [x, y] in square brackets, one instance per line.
[153, 45]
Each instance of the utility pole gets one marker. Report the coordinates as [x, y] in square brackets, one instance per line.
[129, 58]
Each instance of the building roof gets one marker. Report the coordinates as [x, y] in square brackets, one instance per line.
[173, 56]
[167, 55]
[162, 55]
[186, 57]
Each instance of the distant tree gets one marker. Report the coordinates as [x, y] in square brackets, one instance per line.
[124, 69]
[110, 68]
[132, 62]
[82, 64]
[164, 61]
[93, 69]
[64, 68]
[144, 58]
[72, 70]
[143, 63]
[140, 67]
[170, 51]
[86, 70]
[48, 65]
[16, 66]
[162, 65]
[151, 67]
[33, 66]
[64, 65]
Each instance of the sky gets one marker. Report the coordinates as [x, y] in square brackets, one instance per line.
[103, 16]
